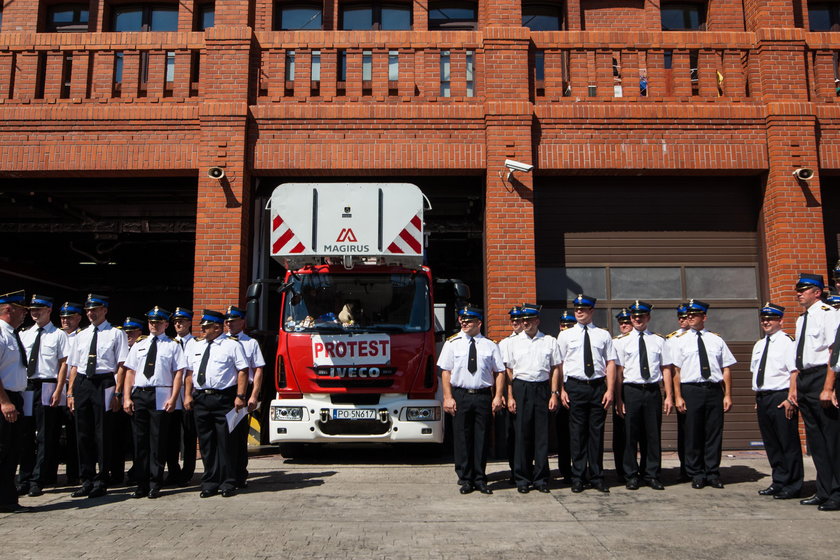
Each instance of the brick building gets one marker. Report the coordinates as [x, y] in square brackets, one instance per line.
[663, 134]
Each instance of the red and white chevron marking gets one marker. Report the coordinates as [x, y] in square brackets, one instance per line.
[410, 239]
[283, 239]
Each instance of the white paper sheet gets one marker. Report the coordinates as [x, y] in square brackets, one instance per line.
[47, 390]
[162, 395]
[234, 417]
[28, 401]
[109, 396]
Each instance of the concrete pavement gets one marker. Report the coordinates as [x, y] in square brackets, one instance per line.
[385, 504]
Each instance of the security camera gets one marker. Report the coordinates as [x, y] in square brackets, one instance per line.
[804, 173]
[217, 173]
[514, 165]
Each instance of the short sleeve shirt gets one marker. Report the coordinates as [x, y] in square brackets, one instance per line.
[531, 359]
[571, 345]
[687, 356]
[454, 358]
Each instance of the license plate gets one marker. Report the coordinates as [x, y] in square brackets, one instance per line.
[354, 414]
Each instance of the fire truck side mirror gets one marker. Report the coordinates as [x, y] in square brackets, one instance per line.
[252, 305]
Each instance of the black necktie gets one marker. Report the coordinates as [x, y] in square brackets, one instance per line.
[180, 341]
[759, 379]
[800, 343]
[91, 365]
[202, 369]
[149, 370]
[644, 366]
[32, 367]
[705, 370]
[21, 350]
[835, 349]
[588, 365]
[472, 363]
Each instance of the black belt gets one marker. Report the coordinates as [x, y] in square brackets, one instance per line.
[482, 391]
[647, 386]
[149, 389]
[99, 376]
[526, 381]
[810, 370]
[597, 381]
[38, 381]
[766, 393]
[702, 383]
[229, 390]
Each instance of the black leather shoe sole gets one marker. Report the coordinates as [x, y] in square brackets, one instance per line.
[785, 496]
[97, 493]
[81, 492]
[829, 506]
[698, 484]
[207, 493]
[523, 489]
[466, 489]
[769, 491]
[154, 493]
[716, 484]
[483, 488]
[577, 487]
[601, 488]
[139, 494]
[35, 491]
[543, 489]
[656, 484]
[230, 492]
[632, 484]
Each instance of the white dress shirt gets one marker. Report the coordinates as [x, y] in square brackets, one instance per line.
[252, 352]
[455, 355]
[504, 342]
[111, 349]
[531, 359]
[12, 372]
[822, 326]
[628, 356]
[670, 345]
[53, 347]
[570, 344]
[227, 359]
[168, 361]
[781, 358]
[687, 357]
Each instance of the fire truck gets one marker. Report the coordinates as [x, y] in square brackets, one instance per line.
[356, 341]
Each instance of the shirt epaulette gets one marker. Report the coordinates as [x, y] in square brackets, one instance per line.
[826, 308]
[671, 334]
[714, 333]
[622, 335]
[682, 333]
[790, 336]
[454, 336]
[142, 337]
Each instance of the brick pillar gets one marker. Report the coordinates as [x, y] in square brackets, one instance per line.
[509, 206]
[223, 214]
[19, 16]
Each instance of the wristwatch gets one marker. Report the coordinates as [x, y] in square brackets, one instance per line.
[556, 393]
[240, 397]
[118, 395]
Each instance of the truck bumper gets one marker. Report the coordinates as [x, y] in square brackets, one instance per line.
[388, 421]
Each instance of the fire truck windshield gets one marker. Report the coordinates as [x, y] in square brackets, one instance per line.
[357, 303]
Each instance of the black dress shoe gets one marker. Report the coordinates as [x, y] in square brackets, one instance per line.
[542, 488]
[139, 493]
[830, 505]
[632, 483]
[483, 488]
[769, 491]
[601, 487]
[785, 495]
[523, 489]
[97, 492]
[656, 484]
[716, 483]
[208, 493]
[577, 487]
[243, 484]
[23, 489]
[813, 501]
[466, 488]
[35, 491]
[81, 492]
[154, 493]
[698, 484]
[229, 492]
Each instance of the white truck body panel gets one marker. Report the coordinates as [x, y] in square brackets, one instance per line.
[313, 221]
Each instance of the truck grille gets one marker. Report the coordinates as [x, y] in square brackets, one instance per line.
[354, 427]
[368, 383]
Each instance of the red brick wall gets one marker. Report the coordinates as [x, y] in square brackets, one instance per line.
[613, 14]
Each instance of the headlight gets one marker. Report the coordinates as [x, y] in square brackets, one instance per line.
[290, 413]
[422, 413]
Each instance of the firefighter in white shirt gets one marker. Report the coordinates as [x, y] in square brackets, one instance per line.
[772, 364]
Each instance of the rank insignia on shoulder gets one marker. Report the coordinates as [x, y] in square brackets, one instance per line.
[671, 334]
[661, 335]
[826, 308]
[622, 335]
[680, 334]
[790, 336]
[454, 336]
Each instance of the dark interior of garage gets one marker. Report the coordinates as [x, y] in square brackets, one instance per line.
[128, 238]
